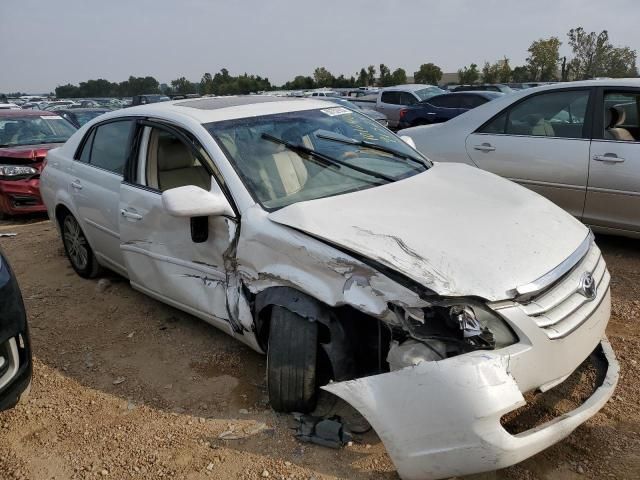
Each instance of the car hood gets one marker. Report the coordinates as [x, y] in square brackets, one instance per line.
[26, 153]
[455, 229]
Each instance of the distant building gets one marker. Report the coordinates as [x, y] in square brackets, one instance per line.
[449, 78]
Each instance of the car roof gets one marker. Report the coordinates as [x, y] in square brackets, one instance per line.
[25, 113]
[213, 109]
[607, 82]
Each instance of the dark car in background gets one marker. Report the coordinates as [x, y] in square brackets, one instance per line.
[15, 347]
[444, 107]
[25, 138]
[148, 98]
[80, 116]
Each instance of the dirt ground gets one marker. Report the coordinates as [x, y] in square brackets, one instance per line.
[126, 387]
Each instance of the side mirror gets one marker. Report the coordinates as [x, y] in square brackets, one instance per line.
[409, 141]
[192, 201]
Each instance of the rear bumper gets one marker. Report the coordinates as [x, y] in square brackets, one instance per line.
[443, 419]
[21, 197]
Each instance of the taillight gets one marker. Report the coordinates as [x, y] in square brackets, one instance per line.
[403, 112]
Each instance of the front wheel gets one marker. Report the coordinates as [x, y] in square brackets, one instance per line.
[291, 362]
[77, 248]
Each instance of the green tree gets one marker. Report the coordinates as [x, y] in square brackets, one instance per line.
[300, 82]
[469, 75]
[67, 91]
[399, 76]
[385, 76]
[595, 56]
[363, 78]
[428, 73]
[520, 74]
[504, 71]
[206, 84]
[182, 85]
[371, 75]
[490, 72]
[544, 59]
[323, 77]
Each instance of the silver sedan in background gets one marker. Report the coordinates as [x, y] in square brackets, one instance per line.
[576, 143]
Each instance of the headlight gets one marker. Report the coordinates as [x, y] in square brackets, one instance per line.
[464, 324]
[16, 171]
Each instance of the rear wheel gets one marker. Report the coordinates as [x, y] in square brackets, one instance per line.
[77, 248]
[291, 362]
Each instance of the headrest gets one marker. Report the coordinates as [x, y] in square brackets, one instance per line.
[173, 155]
[616, 117]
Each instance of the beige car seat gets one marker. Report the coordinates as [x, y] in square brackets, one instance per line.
[617, 117]
[543, 128]
[177, 166]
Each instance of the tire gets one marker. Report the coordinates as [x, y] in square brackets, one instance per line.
[77, 248]
[291, 362]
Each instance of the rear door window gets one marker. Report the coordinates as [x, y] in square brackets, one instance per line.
[392, 98]
[622, 116]
[110, 146]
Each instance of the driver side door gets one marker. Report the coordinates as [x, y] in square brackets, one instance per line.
[178, 260]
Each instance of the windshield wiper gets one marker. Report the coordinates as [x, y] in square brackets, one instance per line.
[372, 146]
[326, 159]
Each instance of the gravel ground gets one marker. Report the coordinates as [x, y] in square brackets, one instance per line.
[126, 387]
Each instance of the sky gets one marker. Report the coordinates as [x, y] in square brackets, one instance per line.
[45, 43]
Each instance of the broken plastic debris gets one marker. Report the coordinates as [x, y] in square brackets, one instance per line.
[329, 432]
[7, 234]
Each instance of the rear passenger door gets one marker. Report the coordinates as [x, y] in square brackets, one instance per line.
[178, 260]
[541, 142]
[613, 193]
[96, 175]
[390, 104]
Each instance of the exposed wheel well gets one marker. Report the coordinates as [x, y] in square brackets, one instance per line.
[350, 340]
[61, 212]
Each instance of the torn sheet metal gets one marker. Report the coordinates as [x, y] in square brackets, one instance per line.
[270, 256]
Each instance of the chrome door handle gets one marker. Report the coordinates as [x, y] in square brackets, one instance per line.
[76, 184]
[485, 147]
[127, 214]
[608, 157]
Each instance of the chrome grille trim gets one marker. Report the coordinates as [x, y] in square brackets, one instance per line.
[558, 272]
[562, 308]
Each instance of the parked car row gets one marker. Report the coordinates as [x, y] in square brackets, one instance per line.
[578, 144]
[313, 234]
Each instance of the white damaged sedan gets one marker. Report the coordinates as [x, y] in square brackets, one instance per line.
[431, 297]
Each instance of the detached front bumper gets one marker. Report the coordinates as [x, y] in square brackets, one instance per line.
[21, 197]
[441, 419]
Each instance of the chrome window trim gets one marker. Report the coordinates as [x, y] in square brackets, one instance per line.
[552, 276]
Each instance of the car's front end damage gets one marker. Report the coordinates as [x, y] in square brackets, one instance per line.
[437, 331]
[444, 417]
[20, 169]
